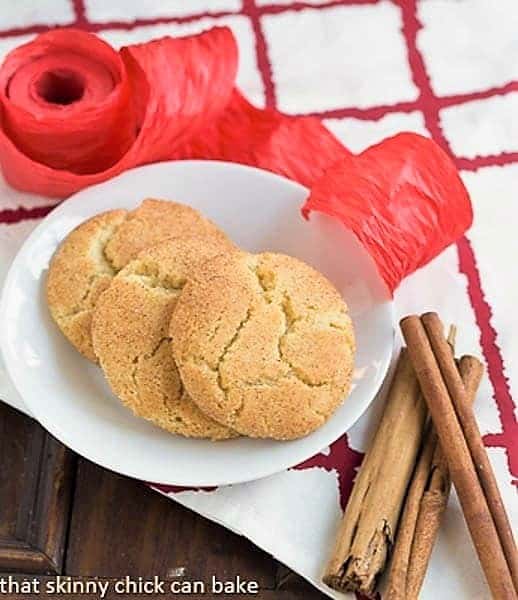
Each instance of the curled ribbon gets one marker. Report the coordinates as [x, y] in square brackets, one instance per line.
[74, 112]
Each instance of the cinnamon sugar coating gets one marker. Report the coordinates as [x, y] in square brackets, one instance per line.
[264, 344]
[132, 340]
[93, 253]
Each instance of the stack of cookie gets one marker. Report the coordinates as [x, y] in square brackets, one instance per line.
[194, 334]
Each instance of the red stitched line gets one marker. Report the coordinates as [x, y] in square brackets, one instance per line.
[508, 438]
[263, 62]
[494, 440]
[129, 25]
[253, 11]
[467, 260]
[82, 21]
[492, 160]
[428, 103]
[22, 214]
[79, 10]
[32, 29]
[373, 113]
[501, 90]
[346, 460]
[274, 9]
[341, 458]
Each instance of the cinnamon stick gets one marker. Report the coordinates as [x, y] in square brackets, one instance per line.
[399, 567]
[437, 492]
[402, 556]
[402, 553]
[367, 530]
[426, 501]
[468, 422]
[464, 476]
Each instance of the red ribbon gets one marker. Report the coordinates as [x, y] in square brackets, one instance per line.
[75, 112]
[403, 198]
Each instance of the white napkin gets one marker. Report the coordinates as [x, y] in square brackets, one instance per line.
[369, 69]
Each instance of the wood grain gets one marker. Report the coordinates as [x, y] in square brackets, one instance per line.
[36, 481]
[62, 514]
[120, 526]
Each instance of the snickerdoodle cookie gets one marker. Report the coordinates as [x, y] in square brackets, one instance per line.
[130, 331]
[91, 255]
[264, 344]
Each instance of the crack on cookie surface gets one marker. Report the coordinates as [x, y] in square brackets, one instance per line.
[140, 357]
[100, 249]
[154, 283]
[290, 319]
[66, 318]
[148, 273]
[267, 283]
[289, 322]
[137, 360]
[167, 417]
[103, 268]
[166, 338]
[285, 324]
[150, 383]
[265, 280]
[221, 360]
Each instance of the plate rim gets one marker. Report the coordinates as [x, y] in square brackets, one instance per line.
[54, 429]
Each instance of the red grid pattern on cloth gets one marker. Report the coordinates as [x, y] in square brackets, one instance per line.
[429, 104]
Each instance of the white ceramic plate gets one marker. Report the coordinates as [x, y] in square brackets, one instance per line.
[260, 211]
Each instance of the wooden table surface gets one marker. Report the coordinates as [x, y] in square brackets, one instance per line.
[61, 514]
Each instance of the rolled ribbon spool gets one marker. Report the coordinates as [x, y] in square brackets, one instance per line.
[74, 112]
[68, 105]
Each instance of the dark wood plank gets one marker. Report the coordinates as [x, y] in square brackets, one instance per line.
[36, 481]
[289, 582]
[118, 526]
[121, 527]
